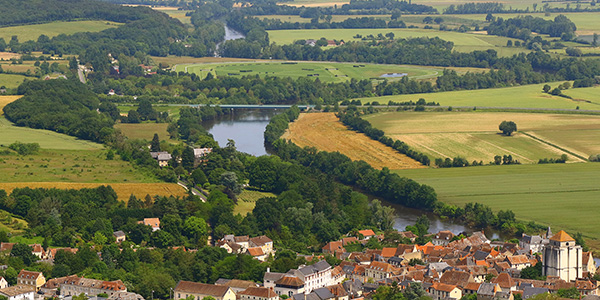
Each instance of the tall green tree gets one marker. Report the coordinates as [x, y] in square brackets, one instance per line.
[155, 144]
[507, 127]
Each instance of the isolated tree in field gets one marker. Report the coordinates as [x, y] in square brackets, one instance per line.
[546, 88]
[155, 144]
[508, 127]
[427, 20]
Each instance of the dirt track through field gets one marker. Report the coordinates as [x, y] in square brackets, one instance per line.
[325, 132]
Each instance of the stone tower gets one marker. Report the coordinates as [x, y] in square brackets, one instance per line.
[562, 257]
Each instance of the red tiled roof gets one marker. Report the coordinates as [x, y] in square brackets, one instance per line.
[562, 236]
[443, 287]
[29, 274]
[388, 252]
[517, 259]
[201, 288]
[472, 286]
[333, 246]
[367, 232]
[504, 281]
[255, 251]
[259, 292]
[349, 240]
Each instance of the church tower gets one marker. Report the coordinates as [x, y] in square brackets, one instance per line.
[562, 257]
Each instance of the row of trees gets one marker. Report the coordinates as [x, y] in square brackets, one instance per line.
[522, 26]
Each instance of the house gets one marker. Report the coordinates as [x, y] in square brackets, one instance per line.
[367, 234]
[3, 283]
[152, 222]
[198, 290]
[38, 250]
[471, 288]
[311, 42]
[289, 285]
[235, 284]
[532, 243]
[440, 291]
[31, 279]
[262, 242]
[505, 282]
[588, 262]
[52, 251]
[74, 285]
[257, 252]
[119, 236]
[314, 276]
[530, 292]
[258, 293]
[458, 278]
[518, 262]
[18, 292]
[6, 247]
[50, 288]
[378, 270]
[442, 238]
[125, 296]
[199, 154]
[163, 158]
[333, 248]
[488, 291]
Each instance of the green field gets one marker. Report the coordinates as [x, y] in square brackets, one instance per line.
[11, 81]
[475, 135]
[591, 94]
[325, 71]
[526, 96]
[247, 200]
[46, 138]
[564, 196]
[172, 110]
[32, 32]
[463, 42]
[144, 130]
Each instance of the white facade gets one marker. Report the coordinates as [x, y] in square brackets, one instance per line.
[563, 258]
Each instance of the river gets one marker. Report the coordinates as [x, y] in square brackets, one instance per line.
[230, 34]
[246, 128]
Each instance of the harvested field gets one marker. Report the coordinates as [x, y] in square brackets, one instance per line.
[6, 100]
[123, 190]
[8, 55]
[475, 135]
[325, 132]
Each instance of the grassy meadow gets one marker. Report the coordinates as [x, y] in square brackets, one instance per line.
[526, 96]
[325, 132]
[475, 135]
[144, 130]
[11, 81]
[564, 196]
[463, 42]
[32, 32]
[325, 71]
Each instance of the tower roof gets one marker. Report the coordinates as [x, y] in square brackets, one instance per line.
[562, 236]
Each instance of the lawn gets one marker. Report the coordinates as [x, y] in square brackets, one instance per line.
[325, 132]
[475, 135]
[247, 200]
[46, 138]
[564, 196]
[32, 32]
[526, 96]
[463, 42]
[11, 81]
[325, 71]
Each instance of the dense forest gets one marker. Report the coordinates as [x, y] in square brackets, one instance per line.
[521, 27]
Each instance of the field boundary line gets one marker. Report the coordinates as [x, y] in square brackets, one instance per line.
[553, 145]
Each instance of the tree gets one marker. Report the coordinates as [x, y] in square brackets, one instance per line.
[507, 127]
[230, 181]
[187, 158]
[133, 116]
[199, 177]
[155, 144]
[571, 293]
[427, 20]
[23, 251]
[546, 88]
[509, 43]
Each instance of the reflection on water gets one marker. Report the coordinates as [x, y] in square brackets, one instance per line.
[245, 127]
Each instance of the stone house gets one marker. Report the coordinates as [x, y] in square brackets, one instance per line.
[198, 291]
[31, 279]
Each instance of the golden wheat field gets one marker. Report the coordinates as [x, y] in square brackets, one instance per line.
[123, 190]
[6, 100]
[325, 132]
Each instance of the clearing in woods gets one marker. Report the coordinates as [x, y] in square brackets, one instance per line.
[561, 195]
[247, 200]
[144, 130]
[33, 32]
[123, 190]
[475, 135]
[325, 132]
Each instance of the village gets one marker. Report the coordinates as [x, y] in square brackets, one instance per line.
[447, 267]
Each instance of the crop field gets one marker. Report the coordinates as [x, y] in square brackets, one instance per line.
[475, 135]
[526, 96]
[325, 71]
[8, 55]
[463, 42]
[562, 195]
[6, 100]
[325, 132]
[46, 138]
[247, 200]
[144, 130]
[123, 190]
[88, 166]
[32, 32]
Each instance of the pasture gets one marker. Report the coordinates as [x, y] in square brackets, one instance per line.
[526, 96]
[325, 71]
[90, 166]
[463, 42]
[144, 131]
[123, 190]
[46, 138]
[11, 81]
[561, 195]
[32, 32]
[475, 135]
[325, 132]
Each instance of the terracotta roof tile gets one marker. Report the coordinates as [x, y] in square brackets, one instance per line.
[562, 236]
[443, 287]
[201, 288]
[259, 292]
